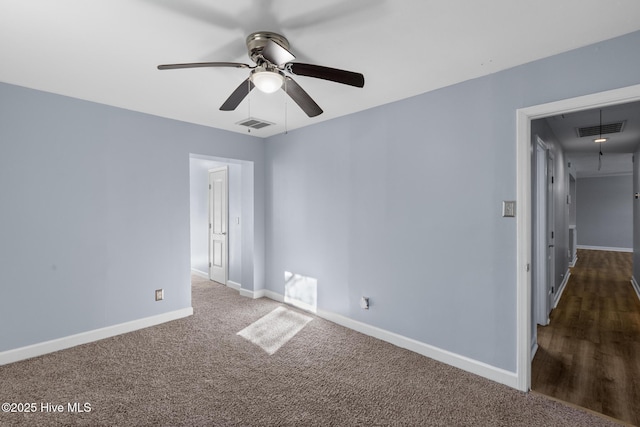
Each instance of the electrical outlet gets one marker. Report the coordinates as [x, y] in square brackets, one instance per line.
[364, 303]
[159, 294]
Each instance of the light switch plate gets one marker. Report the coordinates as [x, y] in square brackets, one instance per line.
[509, 208]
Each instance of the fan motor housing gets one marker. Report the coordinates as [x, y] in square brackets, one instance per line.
[258, 40]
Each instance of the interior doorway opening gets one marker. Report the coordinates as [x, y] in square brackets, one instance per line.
[240, 219]
[525, 213]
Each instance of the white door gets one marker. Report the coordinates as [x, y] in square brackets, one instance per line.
[540, 293]
[218, 213]
[551, 221]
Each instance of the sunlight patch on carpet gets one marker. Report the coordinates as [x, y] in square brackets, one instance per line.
[273, 330]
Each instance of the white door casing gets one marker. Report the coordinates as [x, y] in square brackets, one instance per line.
[551, 231]
[540, 298]
[218, 218]
[524, 116]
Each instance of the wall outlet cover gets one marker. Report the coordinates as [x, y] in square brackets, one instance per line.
[159, 294]
[509, 208]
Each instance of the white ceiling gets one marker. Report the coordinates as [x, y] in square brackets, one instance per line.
[107, 50]
[584, 153]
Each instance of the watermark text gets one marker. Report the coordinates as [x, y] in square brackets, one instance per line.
[46, 407]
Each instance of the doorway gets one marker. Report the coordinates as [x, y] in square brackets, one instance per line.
[524, 218]
[240, 219]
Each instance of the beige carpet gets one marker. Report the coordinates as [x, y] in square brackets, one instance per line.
[199, 371]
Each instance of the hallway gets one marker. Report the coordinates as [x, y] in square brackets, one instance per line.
[589, 354]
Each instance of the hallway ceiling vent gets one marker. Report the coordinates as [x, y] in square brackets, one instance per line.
[607, 128]
[253, 123]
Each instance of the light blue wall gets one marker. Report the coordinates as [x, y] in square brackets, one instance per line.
[604, 215]
[95, 213]
[402, 203]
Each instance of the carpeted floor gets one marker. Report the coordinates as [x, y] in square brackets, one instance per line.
[198, 371]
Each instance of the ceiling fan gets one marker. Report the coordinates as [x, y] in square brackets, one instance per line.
[270, 52]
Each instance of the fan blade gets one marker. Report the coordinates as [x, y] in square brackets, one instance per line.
[238, 95]
[203, 64]
[276, 54]
[301, 98]
[326, 73]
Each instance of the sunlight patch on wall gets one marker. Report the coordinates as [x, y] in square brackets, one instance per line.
[301, 291]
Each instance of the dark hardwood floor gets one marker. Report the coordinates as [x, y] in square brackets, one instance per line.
[589, 354]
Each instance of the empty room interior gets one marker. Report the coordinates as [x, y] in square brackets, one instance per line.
[321, 213]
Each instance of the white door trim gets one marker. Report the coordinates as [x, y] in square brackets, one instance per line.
[551, 231]
[539, 264]
[523, 218]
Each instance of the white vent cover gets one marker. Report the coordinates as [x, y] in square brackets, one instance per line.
[254, 123]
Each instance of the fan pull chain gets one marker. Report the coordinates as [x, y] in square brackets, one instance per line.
[249, 101]
[286, 128]
[600, 137]
[600, 158]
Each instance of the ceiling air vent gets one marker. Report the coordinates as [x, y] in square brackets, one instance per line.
[596, 130]
[254, 123]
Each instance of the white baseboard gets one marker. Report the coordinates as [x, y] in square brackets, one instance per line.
[462, 362]
[252, 294]
[199, 273]
[534, 350]
[274, 296]
[561, 288]
[636, 286]
[230, 283]
[261, 293]
[604, 248]
[573, 261]
[39, 349]
[233, 285]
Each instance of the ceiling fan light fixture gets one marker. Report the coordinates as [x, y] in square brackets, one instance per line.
[270, 52]
[267, 81]
[600, 140]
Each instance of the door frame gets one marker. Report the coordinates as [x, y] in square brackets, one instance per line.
[524, 116]
[225, 258]
[540, 231]
[551, 230]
